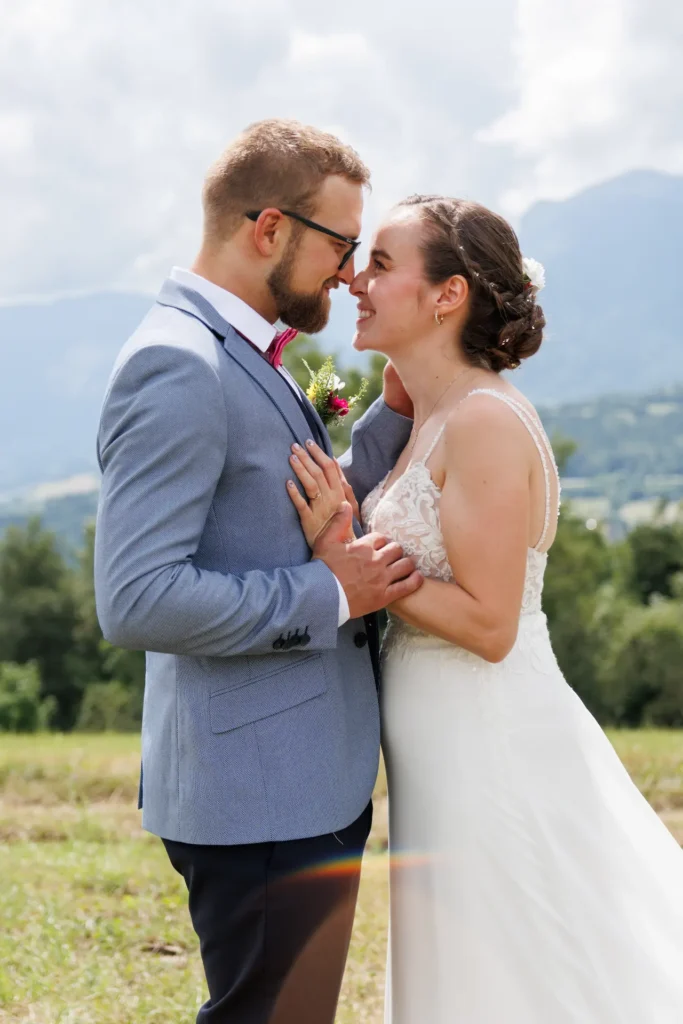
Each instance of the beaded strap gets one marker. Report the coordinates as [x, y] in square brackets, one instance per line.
[434, 443]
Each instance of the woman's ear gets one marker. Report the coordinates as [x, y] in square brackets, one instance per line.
[453, 295]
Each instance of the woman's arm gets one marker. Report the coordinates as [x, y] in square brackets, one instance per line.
[485, 512]
[379, 437]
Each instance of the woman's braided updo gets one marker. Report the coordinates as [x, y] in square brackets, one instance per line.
[505, 324]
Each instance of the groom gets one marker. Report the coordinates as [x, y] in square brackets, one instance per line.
[260, 733]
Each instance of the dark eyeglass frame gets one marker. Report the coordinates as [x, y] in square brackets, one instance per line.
[352, 242]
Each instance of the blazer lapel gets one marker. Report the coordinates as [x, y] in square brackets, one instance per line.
[312, 412]
[273, 385]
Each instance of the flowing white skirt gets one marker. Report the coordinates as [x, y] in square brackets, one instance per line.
[531, 883]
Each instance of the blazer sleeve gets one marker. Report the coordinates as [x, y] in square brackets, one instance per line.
[377, 440]
[162, 447]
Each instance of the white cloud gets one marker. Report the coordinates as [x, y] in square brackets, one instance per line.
[315, 51]
[110, 112]
[109, 115]
[599, 93]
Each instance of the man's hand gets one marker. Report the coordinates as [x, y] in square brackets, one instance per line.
[372, 570]
[394, 394]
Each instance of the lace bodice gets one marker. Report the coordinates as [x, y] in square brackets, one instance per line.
[408, 512]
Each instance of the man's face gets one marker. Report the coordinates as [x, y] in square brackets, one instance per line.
[309, 269]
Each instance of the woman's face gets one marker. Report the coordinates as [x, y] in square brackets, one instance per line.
[396, 303]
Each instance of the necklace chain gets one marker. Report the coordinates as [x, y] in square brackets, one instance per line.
[448, 387]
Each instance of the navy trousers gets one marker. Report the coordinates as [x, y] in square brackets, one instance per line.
[274, 923]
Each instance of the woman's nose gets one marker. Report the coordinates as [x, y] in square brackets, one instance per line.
[357, 286]
[348, 274]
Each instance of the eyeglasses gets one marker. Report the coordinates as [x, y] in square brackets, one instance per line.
[353, 243]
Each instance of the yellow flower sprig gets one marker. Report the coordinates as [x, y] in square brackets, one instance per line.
[323, 393]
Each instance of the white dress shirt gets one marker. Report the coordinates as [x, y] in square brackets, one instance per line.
[259, 332]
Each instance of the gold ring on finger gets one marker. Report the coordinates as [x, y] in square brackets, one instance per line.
[317, 495]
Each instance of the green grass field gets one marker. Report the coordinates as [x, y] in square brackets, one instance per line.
[94, 923]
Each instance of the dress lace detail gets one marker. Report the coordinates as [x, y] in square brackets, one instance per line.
[408, 512]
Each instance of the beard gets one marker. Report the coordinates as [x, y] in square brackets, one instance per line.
[307, 312]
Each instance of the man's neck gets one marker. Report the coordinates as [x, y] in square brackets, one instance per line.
[237, 280]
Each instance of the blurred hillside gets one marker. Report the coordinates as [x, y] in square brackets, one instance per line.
[629, 455]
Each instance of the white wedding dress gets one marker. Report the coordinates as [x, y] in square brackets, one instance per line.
[531, 883]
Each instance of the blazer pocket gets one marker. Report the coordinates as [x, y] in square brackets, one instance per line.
[268, 694]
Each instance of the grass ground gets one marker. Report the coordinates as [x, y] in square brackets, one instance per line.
[94, 922]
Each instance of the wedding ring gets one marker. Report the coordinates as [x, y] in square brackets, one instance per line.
[318, 495]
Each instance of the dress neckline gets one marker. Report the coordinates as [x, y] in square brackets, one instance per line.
[422, 463]
[415, 462]
[535, 428]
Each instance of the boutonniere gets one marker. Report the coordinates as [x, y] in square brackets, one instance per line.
[323, 393]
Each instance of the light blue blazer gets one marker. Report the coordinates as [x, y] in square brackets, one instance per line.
[260, 717]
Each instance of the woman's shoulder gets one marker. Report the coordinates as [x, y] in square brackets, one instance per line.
[491, 421]
[494, 404]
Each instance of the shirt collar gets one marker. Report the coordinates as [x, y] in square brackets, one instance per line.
[231, 308]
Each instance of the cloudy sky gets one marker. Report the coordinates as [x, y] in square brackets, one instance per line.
[111, 111]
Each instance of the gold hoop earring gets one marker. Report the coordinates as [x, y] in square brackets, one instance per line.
[438, 317]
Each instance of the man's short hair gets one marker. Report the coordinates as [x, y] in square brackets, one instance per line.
[275, 163]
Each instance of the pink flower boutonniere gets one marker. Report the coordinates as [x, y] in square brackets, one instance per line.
[323, 392]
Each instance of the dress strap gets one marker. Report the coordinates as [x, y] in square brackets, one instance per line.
[437, 438]
[543, 446]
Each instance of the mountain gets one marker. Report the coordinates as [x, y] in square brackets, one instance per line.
[56, 358]
[66, 516]
[612, 256]
[628, 447]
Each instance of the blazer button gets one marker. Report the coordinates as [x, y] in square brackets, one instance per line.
[360, 639]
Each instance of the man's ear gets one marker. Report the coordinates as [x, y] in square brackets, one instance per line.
[270, 232]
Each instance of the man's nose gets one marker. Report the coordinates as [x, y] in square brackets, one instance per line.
[348, 273]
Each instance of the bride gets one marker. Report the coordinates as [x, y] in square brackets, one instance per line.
[531, 883]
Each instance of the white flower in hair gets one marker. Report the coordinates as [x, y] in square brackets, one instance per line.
[534, 273]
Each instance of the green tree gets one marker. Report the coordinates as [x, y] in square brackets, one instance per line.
[563, 449]
[89, 650]
[108, 707]
[654, 556]
[303, 347]
[95, 659]
[643, 674]
[579, 565]
[38, 614]
[21, 707]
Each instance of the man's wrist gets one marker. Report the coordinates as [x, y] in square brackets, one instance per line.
[344, 611]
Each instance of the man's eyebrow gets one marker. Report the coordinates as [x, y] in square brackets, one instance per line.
[382, 253]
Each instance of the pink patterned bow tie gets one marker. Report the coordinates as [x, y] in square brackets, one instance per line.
[277, 345]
